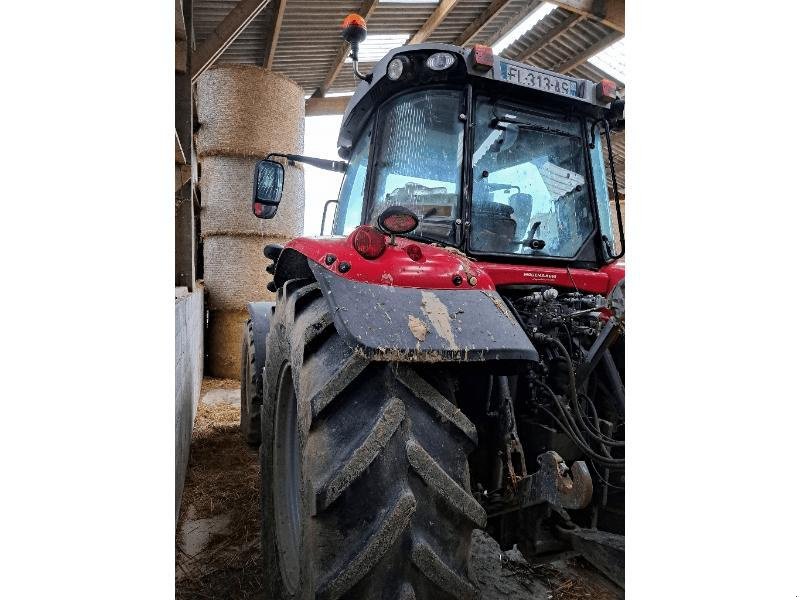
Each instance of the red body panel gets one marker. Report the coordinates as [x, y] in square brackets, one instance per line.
[438, 266]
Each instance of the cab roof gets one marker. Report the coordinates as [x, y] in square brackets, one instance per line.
[504, 76]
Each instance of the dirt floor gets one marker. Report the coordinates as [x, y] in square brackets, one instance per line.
[217, 546]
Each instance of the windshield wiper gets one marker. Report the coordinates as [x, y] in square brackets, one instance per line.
[422, 238]
[498, 123]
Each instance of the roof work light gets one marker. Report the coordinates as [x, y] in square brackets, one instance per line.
[354, 29]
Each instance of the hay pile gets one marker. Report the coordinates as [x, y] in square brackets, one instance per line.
[245, 112]
[235, 270]
[222, 483]
[224, 340]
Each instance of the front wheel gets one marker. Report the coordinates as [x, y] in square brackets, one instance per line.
[365, 480]
[249, 392]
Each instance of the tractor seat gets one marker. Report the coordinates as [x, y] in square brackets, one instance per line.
[523, 206]
[493, 227]
[493, 208]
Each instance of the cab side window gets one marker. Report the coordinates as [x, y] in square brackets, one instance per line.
[351, 197]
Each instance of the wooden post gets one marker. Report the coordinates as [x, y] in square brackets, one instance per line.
[185, 240]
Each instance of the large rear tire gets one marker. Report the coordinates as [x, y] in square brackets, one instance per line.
[250, 394]
[365, 480]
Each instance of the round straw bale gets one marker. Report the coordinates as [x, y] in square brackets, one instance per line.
[234, 270]
[223, 342]
[226, 193]
[245, 110]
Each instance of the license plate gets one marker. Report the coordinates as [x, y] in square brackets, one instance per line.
[538, 80]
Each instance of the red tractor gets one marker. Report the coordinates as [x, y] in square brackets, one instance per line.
[452, 357]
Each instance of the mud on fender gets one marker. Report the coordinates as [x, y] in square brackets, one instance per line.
[409, 324]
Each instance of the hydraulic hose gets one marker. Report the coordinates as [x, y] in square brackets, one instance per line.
[570, 427]
[546, 339]
[576, 436]
[594, 429]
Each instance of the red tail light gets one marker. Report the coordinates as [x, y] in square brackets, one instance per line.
[606, 90]
[481, 58]
[397, 220]
[400, 223]
[368, 241]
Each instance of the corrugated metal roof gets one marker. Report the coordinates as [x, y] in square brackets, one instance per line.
[618, 148]
[249, 47]
[309, 40]
[612, 60]
[588, 71]
[398, 18]
[309, 37]
[505, 20]
[461, 17]
[388, 18]
[559, 37]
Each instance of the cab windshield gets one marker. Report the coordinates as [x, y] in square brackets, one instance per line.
[530, 195]
[418, 161]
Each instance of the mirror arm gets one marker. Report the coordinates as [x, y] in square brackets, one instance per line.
[339, 166]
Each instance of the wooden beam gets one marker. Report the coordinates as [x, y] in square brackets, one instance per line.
[335, 105]
[581, 58]
[365, 10]
[181, 43]
[183, 96]
[437, 16]
[609, 12]
[180, 22]
[272, 34]
[482, 21]
[181, 56]
[185, 239]
[224, 35]
[551, 35]
[615, 15]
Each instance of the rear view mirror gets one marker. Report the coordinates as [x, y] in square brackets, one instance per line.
[267, 188]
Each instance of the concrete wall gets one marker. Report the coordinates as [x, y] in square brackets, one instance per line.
[189, 325]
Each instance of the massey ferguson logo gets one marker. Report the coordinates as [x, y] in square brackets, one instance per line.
[535, 275]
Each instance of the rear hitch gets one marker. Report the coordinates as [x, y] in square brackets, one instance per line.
[554, 483]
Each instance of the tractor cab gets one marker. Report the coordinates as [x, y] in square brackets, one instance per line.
[493, 156]
[496, 158]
